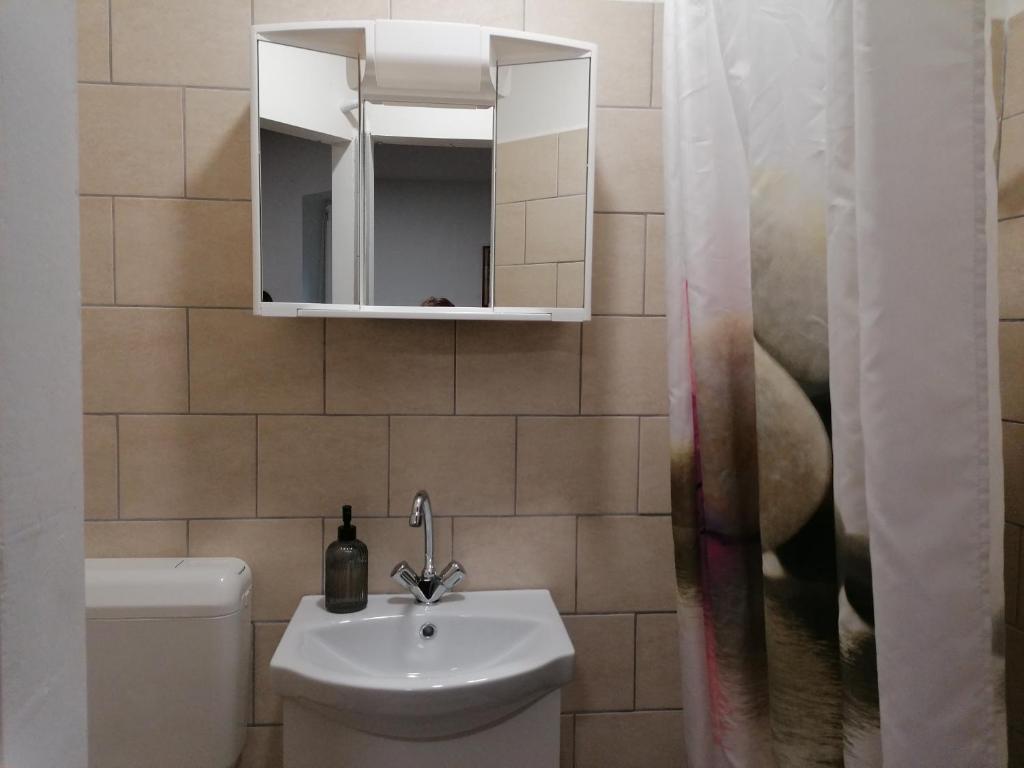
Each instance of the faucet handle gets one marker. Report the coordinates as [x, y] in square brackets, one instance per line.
[452, 574]
[404, 574]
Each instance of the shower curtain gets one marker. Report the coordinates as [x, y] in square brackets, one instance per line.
[836, 453]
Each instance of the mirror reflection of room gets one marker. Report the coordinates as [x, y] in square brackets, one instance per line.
[428, 205]
[308, 163]
[541, 183]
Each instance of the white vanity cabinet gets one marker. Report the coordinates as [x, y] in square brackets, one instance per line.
[406, 169]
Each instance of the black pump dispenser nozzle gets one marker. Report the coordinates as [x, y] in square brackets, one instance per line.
[346, 531]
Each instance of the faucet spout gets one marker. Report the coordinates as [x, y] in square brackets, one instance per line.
[423, 516]
[427, 587]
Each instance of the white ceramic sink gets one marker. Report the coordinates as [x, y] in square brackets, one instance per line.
[491, 655]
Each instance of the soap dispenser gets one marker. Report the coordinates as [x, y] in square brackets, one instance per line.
[345, 568]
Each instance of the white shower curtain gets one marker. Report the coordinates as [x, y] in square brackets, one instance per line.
[837, 485]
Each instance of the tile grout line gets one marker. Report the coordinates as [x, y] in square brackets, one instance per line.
[188, 361]
[643, 269]
[110, 41]
[636, 651]
[515, 465]
[387, 484]
[184, 146]
[256, 473]
[654, 12]
[117, 465]
[638, 449]
[180, 198]
[113, 249]
[324, 368]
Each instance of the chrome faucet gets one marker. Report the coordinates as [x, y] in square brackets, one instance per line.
[427, 587]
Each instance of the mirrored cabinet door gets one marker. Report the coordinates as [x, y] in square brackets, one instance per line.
[540, 184]
[308, 152]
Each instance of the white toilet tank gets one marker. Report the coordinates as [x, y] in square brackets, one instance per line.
[169, 651]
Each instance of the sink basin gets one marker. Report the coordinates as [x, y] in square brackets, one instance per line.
[485, 656]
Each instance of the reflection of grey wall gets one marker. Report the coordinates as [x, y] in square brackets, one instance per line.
[432, 218]
[290, 170]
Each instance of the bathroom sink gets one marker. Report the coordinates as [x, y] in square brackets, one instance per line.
[402, 669]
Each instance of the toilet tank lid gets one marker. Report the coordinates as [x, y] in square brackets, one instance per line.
[165, 587]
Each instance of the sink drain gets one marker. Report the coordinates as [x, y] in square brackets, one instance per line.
[427, 631]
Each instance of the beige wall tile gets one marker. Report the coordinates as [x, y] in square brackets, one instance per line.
[526, 285]
[1011, 269]
[624, 366]
[1011, 168]
[488, 13]
[654, 496]
[654, 267]
[187, 466]
[183, 252]
[622, 32]
[268, 11]
[618, 287]
[630, 740]
[312, 465]
[517, 368]
[133, 360]
[658, 684]
[217, 144]
[556, 229]
[656, 65]
[240, 363]
[187, 42]
[96, 220]
[609, 549]
[285, 557]
[567, 735]
[390, 366]
[572, 162]
[1011, 571]
[466, 463]
[267, 704]
[519, 553]
[1014, 76]
[1013, 458]
[136, 538]
[603, 677]
[130, 140]
[99, 459]
[264, 746]
[391, 540]
[510, 233]
[93, 40]
[571, 284]
[526, 169]
[567, 466]
[1011, 369]
[628, 161]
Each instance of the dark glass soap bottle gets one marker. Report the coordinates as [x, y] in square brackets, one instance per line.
[345, 568]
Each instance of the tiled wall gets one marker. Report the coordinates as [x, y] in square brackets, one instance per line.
[1008, 51]
[213, 432]
[540, 220]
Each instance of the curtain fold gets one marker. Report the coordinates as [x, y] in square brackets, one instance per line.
[836, 465]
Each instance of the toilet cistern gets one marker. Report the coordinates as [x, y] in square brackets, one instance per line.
[428, 587]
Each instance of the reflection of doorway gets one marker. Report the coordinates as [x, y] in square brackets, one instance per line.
[429, 210]
[485, 282]
[316, 246]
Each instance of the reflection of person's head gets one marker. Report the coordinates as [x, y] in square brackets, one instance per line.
[435, 301]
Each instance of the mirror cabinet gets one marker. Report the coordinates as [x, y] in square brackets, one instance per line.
[418, 169]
